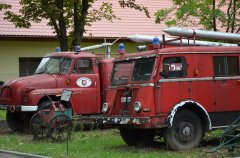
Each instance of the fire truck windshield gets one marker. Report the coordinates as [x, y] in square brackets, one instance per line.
[54, 65]
[141, 71]
[121, 73]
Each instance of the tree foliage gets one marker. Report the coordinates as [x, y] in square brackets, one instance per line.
[211, 14]
[134, 5]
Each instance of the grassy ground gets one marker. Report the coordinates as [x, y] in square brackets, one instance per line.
[3, 114]
[104, 143]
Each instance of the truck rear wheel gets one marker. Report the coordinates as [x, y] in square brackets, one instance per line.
[186, 131]
[15, 121]
[137, 137]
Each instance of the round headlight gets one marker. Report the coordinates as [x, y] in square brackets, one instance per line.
[137, 107]
[105, 107]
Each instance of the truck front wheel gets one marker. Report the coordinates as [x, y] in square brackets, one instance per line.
[137, 137]
[17, 121]
[186, 131]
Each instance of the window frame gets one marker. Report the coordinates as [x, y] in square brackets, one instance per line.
[28, 65]
[74, 69]
[114, 82]
[152, 70]
[226, 65]
[184, 67]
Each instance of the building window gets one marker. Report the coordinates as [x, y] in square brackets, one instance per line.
[226, 66]
[83, 66]
[28, 66]
[174, 67]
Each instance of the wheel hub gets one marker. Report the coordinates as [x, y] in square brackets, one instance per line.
[185, 131]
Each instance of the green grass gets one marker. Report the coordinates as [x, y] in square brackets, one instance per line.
[99, 144]
[3, 114]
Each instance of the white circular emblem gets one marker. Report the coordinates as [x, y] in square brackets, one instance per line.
[84, 82]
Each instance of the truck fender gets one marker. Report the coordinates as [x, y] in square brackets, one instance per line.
[38, 94]
[174, 110]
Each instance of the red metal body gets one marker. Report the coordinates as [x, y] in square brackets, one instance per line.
[202, 80]
[159, 95]
[86, 75]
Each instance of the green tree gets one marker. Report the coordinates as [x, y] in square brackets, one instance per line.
[211, 14]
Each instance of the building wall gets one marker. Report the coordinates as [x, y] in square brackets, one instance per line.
[10, 51]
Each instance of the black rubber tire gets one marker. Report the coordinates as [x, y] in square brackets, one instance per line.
[15, 121]
[19, 121]
[186, 131]
[137, 137]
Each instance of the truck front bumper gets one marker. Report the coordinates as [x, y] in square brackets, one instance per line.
[117, 120]
[24, 108]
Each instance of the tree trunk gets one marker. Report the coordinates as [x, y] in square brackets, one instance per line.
[77, 24]
[84, 12]
[62, 27]
[79, 20]
[233, 17]
[229, 15]
[214, 16]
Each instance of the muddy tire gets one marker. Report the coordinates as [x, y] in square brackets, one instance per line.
[15, 121]
[137, 137]
[186, 131]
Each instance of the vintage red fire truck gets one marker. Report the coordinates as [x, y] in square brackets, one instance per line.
[178, 93]
[85, 74]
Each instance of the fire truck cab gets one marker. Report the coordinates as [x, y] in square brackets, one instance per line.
[85, 74]
[177, 93]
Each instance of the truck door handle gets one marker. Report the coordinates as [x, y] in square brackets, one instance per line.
[158, 86]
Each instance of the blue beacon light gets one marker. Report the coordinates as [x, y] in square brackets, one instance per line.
[156, 43]
[121, 49]
[78, 49]
[58, 50]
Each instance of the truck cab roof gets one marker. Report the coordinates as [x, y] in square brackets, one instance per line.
[73, 55]
[179, 50]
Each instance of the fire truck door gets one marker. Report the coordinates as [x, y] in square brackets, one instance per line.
[63, 76]
[170, 89]
[62, 80]
[84, 85]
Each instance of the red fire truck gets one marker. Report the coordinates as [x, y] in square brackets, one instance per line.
[85, 74]
[177, 93]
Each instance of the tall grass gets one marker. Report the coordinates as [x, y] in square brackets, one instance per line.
[99, 144]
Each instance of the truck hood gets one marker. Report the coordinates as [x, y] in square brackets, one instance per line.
[35, 81]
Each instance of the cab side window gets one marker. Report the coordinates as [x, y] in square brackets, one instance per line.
[83, 66]
[174, 67]
[226, 66]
